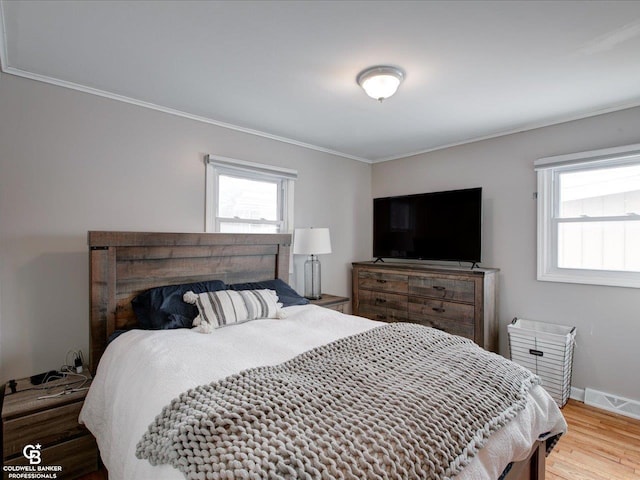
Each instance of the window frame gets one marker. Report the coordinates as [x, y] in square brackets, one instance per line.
[283, 177]
[548, 221]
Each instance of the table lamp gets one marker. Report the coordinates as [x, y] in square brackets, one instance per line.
[312, 242]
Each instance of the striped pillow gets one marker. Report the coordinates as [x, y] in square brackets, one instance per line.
[227, 307]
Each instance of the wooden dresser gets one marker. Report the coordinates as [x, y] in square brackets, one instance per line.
[457, 300]
[50, 426]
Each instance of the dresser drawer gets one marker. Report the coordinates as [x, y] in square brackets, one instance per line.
[442, 287]
[46, 427]
[451, 317]
[386, 307]
[460, 312]
[388, 282]
[447, 325]
[76, 458]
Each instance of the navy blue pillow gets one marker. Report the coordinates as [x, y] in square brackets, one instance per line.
[162, 308]
[286, 295]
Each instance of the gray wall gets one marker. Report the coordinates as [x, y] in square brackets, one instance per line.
[607, 318]
[72, 162]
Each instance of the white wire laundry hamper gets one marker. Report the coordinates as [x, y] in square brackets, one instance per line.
[547, 350]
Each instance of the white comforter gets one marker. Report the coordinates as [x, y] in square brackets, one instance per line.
[142, 371]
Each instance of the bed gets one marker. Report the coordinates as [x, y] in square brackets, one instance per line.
[142, 371]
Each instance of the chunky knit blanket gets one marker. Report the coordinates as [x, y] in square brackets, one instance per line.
[399, 401]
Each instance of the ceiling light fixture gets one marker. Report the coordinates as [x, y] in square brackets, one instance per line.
[380, 82]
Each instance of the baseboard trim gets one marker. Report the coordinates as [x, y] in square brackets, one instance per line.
[577, 394]
[607, 401]
[612, 403]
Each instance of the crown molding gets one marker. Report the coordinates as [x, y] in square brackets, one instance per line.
[172, 111]
[524, 128]
[121, 98]
[6, 67]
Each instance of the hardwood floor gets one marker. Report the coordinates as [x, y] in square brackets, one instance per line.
[598, 446]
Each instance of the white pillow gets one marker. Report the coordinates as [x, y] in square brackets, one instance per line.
[226, 307]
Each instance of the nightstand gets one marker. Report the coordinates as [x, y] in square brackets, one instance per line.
[331, 301]
[66, 448]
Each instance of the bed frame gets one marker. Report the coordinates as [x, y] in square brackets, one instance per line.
[124, 264]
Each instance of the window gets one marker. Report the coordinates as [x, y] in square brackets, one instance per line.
[245, 197]
[589, 217]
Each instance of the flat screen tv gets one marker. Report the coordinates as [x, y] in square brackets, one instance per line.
[429, 226]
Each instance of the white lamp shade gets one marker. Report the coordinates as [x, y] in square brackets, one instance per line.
[311, 241]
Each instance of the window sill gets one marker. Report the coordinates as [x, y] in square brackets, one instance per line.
[592, 277]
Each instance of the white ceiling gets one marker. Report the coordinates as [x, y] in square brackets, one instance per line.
[287, 69]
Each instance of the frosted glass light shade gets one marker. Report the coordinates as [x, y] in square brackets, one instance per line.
[311, 241]
[380, 82]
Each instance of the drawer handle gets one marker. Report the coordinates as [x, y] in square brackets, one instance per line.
[537, 353]
[381, 317]
[381, 281]
[440, 288]
[380, 300]
[438, 309]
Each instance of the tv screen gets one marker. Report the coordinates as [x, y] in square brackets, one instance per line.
[429, 226]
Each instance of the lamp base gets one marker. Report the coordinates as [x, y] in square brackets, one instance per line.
[312, 288]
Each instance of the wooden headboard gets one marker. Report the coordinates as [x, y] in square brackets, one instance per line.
[124, 264]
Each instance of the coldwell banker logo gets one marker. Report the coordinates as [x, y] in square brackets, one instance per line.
[33, 453]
